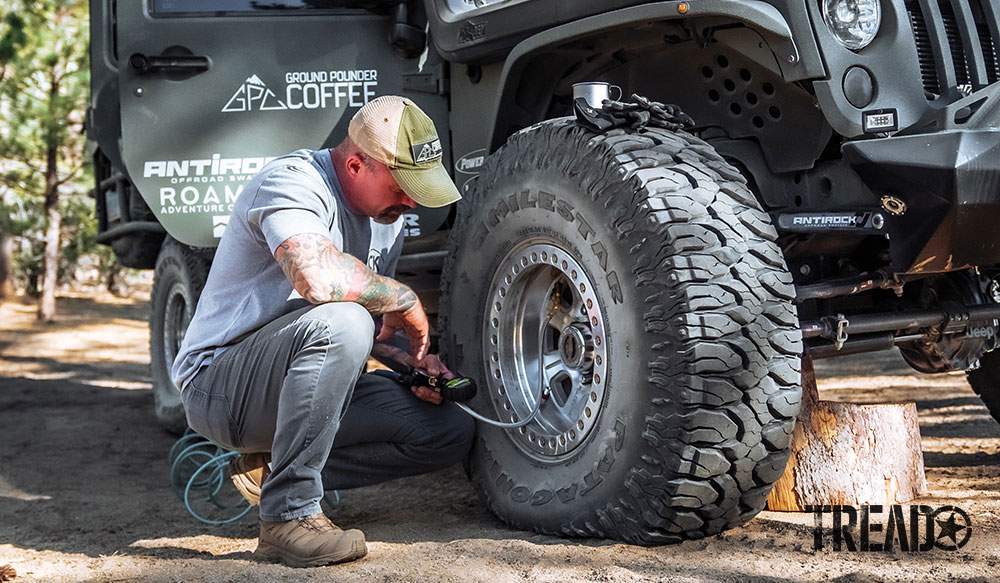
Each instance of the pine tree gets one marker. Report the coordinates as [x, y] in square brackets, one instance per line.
[43, 94]
[12, 40]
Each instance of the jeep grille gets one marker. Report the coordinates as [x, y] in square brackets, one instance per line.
[957, 43]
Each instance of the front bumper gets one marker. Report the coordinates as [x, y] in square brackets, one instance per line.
[949, 186]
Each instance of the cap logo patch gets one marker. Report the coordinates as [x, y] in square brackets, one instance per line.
[426, 151]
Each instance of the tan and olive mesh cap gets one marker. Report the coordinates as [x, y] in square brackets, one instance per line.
[394, 131]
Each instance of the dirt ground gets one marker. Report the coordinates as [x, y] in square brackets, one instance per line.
[84, 494]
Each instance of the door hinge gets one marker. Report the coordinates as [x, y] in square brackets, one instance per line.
[430, 80]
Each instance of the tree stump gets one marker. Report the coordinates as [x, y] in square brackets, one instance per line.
[850, 454]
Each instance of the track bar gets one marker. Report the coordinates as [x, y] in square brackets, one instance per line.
[839, 326]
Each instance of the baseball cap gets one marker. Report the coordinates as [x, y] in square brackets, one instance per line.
[394, 131]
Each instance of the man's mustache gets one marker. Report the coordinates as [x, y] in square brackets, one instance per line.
[398, 209]
[392, 213]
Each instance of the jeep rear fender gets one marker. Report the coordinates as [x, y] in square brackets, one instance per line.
[768, 22]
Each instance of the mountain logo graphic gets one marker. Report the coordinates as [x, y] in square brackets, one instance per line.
[426, 151]
[253, 95]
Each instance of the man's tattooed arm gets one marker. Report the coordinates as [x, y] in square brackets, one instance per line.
[384, 351]
[322, 273]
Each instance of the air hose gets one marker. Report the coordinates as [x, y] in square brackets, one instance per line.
[198, 472]
[197, 475]
[458, 390]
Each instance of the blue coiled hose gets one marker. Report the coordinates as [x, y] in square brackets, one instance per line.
[198, 474]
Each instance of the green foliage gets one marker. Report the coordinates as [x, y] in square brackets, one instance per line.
[13, 36]
[78, 226]
[44, 81]
[28, 264]
[78, 231]
[44, 89]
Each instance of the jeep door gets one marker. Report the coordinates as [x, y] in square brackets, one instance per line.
[212, 89]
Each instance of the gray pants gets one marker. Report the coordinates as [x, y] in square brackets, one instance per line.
[293, 388]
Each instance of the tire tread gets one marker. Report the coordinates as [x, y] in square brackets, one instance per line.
[704, 258]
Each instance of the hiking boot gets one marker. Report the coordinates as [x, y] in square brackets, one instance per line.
[310, 541]
[249, 472]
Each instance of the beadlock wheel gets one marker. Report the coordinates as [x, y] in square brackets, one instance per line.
[546, 340]
[175, 320]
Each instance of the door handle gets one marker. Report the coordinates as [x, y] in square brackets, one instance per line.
[143, 64]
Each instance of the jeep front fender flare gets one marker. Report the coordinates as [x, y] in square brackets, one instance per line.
[760, 16]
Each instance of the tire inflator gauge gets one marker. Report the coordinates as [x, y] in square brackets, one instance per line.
[457, 390]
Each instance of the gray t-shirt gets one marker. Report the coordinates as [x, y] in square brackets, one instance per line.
[246, 288]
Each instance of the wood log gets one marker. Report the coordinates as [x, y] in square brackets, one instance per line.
[850, 454]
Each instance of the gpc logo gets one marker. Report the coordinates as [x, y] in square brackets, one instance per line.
[253, 95]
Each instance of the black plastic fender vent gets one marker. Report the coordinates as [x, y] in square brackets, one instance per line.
[740, 93]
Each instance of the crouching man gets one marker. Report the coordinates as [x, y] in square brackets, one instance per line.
[272, 362]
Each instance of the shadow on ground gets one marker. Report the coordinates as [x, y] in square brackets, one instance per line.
[84, 482]
[84, 447]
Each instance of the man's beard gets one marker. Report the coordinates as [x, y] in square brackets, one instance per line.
[390, 215]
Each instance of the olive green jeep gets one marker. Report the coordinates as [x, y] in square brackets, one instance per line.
[644, 295]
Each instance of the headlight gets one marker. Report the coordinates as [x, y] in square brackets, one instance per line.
[853, 22]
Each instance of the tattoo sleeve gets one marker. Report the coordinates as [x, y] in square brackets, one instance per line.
[383, 352]
[322, 273]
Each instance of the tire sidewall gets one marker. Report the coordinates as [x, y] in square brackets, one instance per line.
[174, 276]
[551, 208]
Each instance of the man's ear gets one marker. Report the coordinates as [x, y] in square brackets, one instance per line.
[354, 165]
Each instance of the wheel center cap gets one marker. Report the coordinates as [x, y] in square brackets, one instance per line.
[576, 347]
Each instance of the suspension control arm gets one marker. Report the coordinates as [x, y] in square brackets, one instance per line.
[881, 279]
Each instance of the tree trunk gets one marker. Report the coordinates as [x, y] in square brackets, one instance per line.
[6, 263]
[116, 283]
[850, 453]
[50, 277]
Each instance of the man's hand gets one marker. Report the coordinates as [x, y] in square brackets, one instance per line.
[433, 367]
[413, 322]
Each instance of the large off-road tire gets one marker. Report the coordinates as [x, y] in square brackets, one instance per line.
[177, 283]
[985, 381]
[636, 277]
